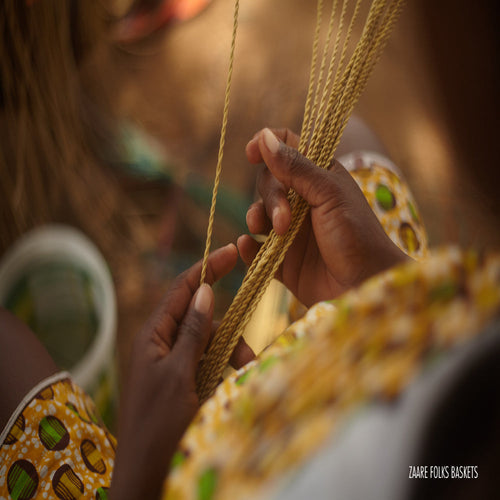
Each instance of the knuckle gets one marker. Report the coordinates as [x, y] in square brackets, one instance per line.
[297, 165]
[294, 162]
[254, 207]
[294, 159]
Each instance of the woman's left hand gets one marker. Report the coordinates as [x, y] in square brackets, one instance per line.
[160, 398]
[341, 243]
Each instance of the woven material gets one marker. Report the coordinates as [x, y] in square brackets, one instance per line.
[329, 104]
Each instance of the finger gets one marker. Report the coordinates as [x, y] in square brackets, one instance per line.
[220, 262]
[294, 170]
[248, 248]
[171, 311]
[194, 331]
[257, 220]
[242, 354]
[276, 204]
[253, 152]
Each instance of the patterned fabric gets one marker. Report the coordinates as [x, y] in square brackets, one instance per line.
[366, 347]
[272, 415]
[55, 446]
[390, 198]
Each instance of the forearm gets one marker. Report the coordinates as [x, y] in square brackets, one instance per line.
[140, 469]
[18, 344]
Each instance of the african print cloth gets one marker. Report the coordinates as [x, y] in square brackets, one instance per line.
[56, 446]
[268, 418]
[390, 198]
[362, 349]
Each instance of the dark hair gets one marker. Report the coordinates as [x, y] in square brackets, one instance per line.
[47, 165]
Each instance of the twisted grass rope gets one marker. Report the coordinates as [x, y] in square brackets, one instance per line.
[218, 169]
[327, 110]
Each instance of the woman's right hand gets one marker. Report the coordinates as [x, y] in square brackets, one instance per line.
[341, 242]
[160, 397]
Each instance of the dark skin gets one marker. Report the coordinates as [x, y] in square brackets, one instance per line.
[24, 362]
[319, 247]
[340, 245]
[341, 242]
[160, 397]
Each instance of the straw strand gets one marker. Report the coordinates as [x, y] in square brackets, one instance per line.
[329, 104]
[218, 169]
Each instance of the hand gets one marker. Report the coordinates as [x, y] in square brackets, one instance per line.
[341, 242]
[160, 398]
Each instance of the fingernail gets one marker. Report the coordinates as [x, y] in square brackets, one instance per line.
[251, 141]
[276, 213]
[203, 299]
[250, 211]
[271, 141]
[247, 217]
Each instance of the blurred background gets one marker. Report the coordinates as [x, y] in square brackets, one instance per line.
[154, 105]
[171, 85]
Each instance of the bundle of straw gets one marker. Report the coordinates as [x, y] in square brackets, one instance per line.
[335, 85]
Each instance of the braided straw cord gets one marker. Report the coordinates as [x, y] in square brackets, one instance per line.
[309, 108]
[327, 110]
[218, 170]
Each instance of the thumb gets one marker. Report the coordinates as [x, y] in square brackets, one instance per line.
[194, 331]
[294, 170]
